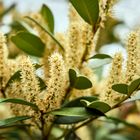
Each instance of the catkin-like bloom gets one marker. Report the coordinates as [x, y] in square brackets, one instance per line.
[132, 57]
[30, 85]
[57, 82]
[4, 73]
[115, 76]
[74, 50]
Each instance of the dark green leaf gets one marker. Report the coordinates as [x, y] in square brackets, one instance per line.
[71, 111]
[69, 119]
[94, 112]
[15, 125]
[42, 84]
[77, 102]
[29, 43]
[72, 77]
[101, 106]
[18, 101]
[49, 33]
[37, 66]
[121, 88]
[13, 120]
[48, 17]
[79, 82]
[100, 56]
[87, 9]
[15, 76]
[82, 83]
[134, 85]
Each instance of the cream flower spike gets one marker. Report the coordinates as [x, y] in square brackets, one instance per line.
[115, 76]
[30, 85]
[57, 82]
[132, 43]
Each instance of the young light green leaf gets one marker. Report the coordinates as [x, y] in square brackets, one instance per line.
[49, 33]
[87, 9]
[48, 17]
[15, 76]
[13, 120]
[71, 111]
[29, 43]
[18, 101]
[100, 56]
[121, 88]
[134, 85]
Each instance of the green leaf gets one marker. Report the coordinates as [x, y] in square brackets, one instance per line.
[72, 77]
[101, 106]
[82, 83]
[15, 76]
[48, 17]
[29, 43]
[77, 102]
[42, 84]
[87, 9]
[100, 56]
[15, 125]
[37, 66]
[79, 82]
[13, 120]
[71, 111]
[121, 88]
[134, 85]
[49, 33]
[18, 101]
[69, 119]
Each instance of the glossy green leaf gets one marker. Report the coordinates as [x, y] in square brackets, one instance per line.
[29, 43]
[71, 111]
[15, 125]
[47, 32]
[134, 85]
[69, 119]
[77, 102]
[101, 106]
[13, 120]
[100, 56]
[79, 82]
[121, 88]
[48, 17]
[42, 84]
[87, 9]
[18, 101]
[15, 76]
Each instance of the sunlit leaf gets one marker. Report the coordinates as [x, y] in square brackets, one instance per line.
[87, 9]
[48, 17]
[29, 43]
